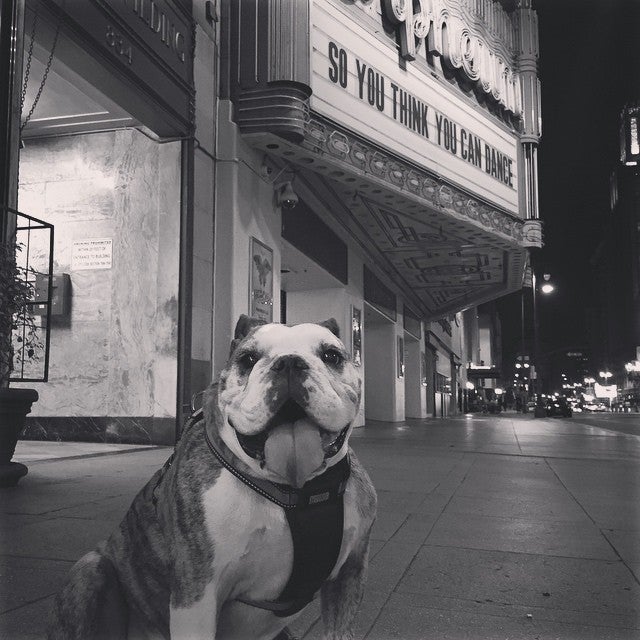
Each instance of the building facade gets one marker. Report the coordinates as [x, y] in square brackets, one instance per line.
[410, 143]
[113, 136]
[288, 159]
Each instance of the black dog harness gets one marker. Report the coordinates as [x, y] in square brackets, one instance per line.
[315, 514]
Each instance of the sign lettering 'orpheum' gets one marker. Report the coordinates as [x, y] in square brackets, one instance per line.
[424, 24]
[397, 103]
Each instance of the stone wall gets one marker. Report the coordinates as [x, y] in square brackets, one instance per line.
[113, 359]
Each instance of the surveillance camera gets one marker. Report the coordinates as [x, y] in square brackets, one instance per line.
[287, 197]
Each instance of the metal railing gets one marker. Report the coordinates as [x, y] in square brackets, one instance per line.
[32, 241]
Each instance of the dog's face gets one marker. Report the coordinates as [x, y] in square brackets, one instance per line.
[288, 398]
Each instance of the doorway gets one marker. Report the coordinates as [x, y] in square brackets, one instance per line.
[381, 368]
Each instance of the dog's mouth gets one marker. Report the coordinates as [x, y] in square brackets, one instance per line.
[289, 413]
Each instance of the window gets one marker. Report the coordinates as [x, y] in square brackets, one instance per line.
[443, 384]
[633, 129]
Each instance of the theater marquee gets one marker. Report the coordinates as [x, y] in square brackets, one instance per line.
[357, 81]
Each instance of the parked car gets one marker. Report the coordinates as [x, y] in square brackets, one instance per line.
[594, 406]
[558, 407]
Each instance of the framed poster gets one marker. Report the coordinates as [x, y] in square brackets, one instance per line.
[261, 281]
[400, 356]
[356, 335]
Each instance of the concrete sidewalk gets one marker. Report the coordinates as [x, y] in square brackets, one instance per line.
[489, 527]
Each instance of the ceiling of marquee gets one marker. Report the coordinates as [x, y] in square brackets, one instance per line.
[445, 250]
[443, 263]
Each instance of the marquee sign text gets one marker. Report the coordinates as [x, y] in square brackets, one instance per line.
[395, 102]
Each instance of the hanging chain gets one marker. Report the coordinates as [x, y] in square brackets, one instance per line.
[29, 57]
[44, 77]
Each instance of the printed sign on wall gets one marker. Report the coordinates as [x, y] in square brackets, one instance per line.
[356, 335]
[92, 253]
[261, 281]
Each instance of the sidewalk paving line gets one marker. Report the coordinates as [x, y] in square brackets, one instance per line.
[96, 454]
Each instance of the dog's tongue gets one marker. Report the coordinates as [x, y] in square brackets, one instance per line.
[294, 451]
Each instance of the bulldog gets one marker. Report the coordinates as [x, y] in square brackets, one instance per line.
[262, 507]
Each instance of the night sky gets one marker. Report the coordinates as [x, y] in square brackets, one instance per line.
[589, 67]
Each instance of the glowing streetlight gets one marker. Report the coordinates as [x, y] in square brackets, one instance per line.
[547, 287]
[606, 375]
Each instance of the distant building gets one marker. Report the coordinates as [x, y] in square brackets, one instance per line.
[483, 342]
[614, 323]
[568, 367]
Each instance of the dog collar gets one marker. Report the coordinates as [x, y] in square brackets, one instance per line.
[325, 487]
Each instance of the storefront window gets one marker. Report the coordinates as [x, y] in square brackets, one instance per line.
[443, 384]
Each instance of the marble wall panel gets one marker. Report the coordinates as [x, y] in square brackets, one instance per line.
[135, 263]
[168, 248]
[32, 198]
[78, 372]
[81, 157]
[133, 430]
[165, 366]
[116, 355]
[87, 199]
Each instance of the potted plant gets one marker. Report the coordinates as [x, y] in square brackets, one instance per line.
[19, 343]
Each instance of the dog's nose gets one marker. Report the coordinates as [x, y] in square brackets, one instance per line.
[289, 363]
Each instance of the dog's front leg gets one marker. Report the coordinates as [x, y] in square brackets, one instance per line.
[340, 598]
[196, 621]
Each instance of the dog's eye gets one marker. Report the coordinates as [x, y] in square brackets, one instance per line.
[249, 359]
[331, 356]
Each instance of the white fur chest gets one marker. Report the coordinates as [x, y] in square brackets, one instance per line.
[253, 551]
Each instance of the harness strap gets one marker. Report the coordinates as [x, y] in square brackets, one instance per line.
[317, 537]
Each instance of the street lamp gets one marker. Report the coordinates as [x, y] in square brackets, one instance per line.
[546, 288]
[606, 375]
[590, 382]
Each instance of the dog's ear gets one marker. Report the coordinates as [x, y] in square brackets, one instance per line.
[332, 325]
[243, 327]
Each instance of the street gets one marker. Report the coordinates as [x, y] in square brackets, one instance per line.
[619, 422]
[489, 528]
